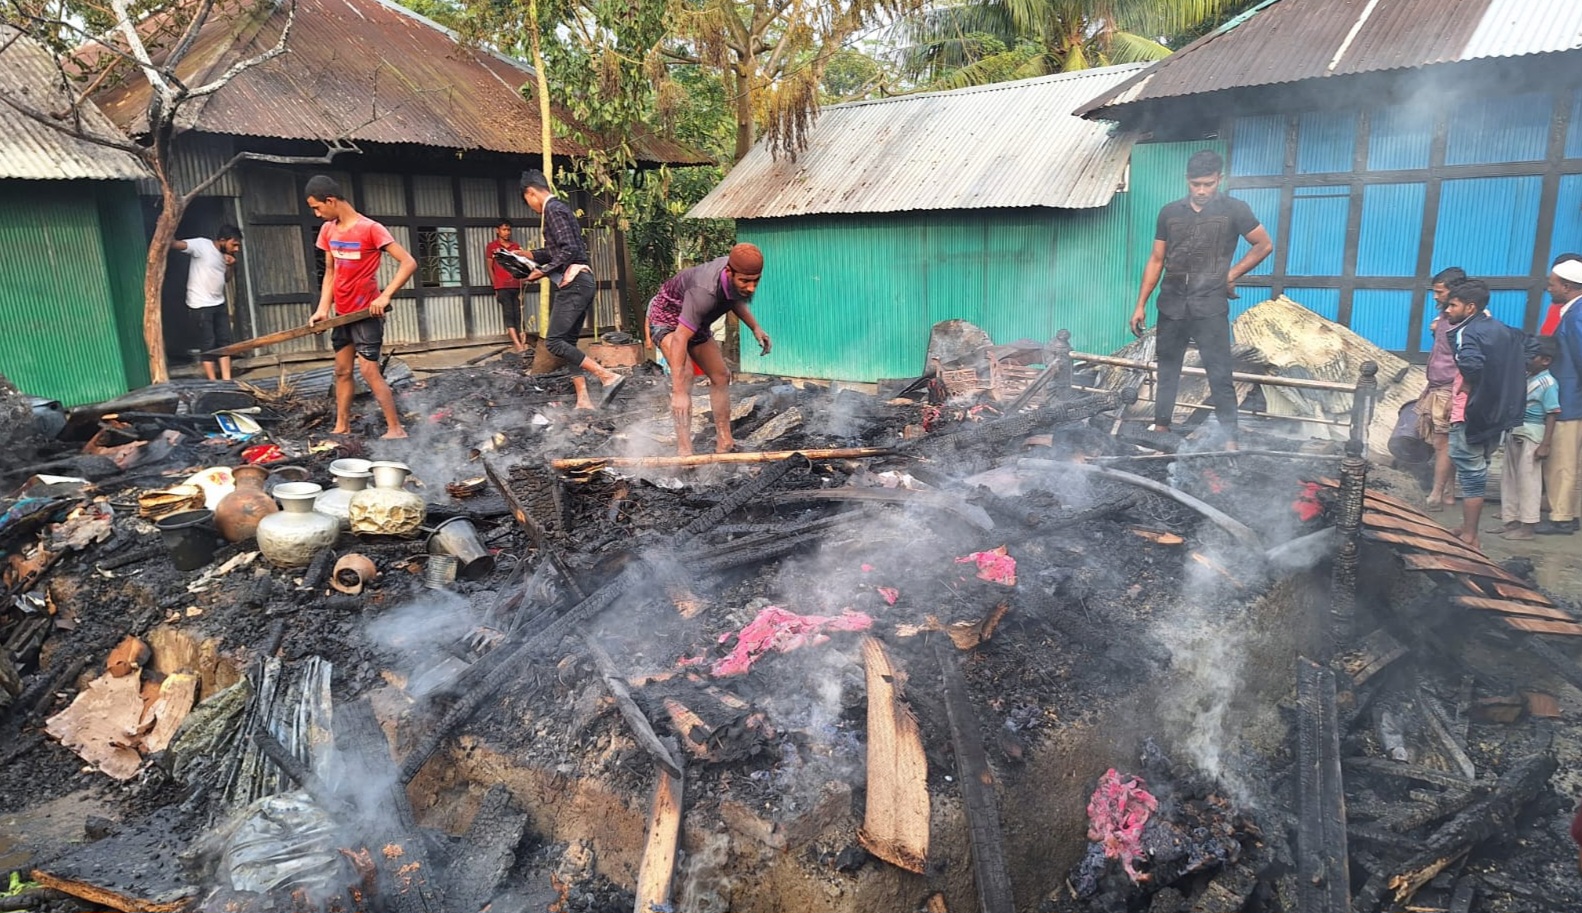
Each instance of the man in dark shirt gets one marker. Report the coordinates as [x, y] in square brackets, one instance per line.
[1492, 359]
[1194, 240]
[680, 319]
[564, 261]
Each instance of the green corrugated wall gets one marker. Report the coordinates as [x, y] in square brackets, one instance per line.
[68, 281]
[853, 297]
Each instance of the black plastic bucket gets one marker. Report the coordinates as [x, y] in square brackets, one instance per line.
[1404, 443]
[190, 537]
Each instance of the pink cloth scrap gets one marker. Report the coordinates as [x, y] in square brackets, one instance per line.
[889, 594]
[781, 631]
[1117, 814]
[995, 566]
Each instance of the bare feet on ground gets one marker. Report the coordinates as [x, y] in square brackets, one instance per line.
[393, 434]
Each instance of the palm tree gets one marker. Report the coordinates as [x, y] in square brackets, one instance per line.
[956, 43]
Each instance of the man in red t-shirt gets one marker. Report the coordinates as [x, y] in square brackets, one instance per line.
[507, 288]
[353, 245]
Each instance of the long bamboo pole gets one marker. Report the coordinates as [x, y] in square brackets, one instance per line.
[591, 464]
[1272, 380]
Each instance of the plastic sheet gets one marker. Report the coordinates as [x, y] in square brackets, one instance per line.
[284, 842]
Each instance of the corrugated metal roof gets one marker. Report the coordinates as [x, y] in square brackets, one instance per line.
[33, 151]
[1012, 144]
[364, 70]
[1292, 40]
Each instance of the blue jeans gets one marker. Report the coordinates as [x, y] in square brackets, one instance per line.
[1471, 461]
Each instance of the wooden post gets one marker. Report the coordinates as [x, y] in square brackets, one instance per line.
[656, 872]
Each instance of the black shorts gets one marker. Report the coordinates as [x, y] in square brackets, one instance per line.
[367, 335]
[214, 329]
[510, 300]
[658, 333]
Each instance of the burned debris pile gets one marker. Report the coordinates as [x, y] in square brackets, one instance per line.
[978, 642]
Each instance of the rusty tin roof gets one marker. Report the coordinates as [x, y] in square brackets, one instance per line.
[366, 71]
[33, 151]
[1287, 41]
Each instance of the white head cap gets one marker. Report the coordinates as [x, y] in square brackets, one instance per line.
[1569, 270]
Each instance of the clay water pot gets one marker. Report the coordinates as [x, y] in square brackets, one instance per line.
[238, 513]
[387, 509]
[351, 476]
[293, 536]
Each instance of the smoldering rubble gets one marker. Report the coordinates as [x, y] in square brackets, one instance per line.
[1003, 650]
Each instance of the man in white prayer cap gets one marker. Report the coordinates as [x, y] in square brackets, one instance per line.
[1560, 469]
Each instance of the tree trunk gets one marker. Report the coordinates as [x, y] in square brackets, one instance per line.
[547, 141]
[170, 212]
[744, 109]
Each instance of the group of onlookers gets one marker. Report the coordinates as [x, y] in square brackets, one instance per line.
[1489, 384]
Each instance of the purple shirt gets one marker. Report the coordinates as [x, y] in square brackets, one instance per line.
[694, 298]
[1441, 359]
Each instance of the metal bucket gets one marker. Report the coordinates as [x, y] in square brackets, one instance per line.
[1404, 443]
[190, 537]
[458, 538]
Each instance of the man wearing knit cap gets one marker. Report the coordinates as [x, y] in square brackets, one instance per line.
[1560, 469]
[680, 321]
[564, 260]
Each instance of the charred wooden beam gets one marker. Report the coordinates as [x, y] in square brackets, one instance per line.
[739, 498]
[1494, 815]
[408, 880]
[936, 500]
[302, 775]
[990, 434]
[1439, 724]
[641, 728]
[535, 530]
[1323, 874]
[989, 868]
[1389, 768]
[475, 876]
[1418, 814]
[1343, 572]
[585, 465]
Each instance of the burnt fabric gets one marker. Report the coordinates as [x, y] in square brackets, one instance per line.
[1492, 358]
[1212, 335]
[1199, 246]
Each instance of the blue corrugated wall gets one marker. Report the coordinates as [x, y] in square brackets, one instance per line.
[1364, 205]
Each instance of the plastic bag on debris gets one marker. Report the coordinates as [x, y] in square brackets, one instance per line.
[287, 842]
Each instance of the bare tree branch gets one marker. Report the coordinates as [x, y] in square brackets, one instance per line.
[184, 43]
[336, 147]
[238, 68]
[75, 129]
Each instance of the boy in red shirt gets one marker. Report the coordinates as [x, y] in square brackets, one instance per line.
[352, 245]
[507, 288]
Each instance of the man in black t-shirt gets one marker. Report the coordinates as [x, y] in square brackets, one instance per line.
[1194, 240]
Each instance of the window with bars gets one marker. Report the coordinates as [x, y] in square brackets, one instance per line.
[438, 256]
